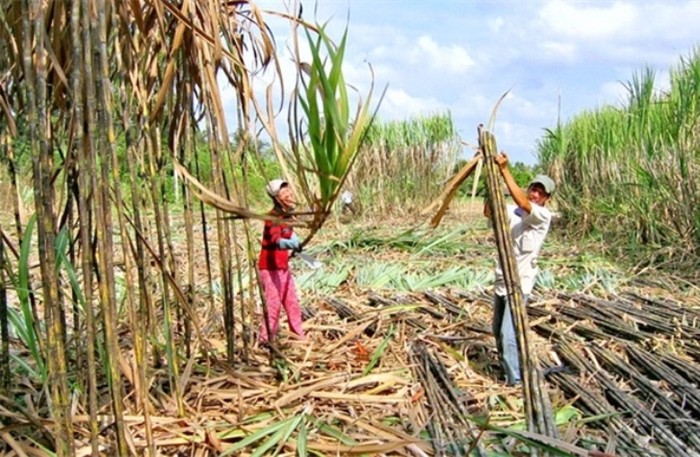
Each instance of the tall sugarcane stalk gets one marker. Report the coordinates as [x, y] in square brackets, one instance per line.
[156, 176]
[42, 161]
[223, 238]
[103, 214]
[83, 143]
[239, 278]
[133, 257]
[145, 312]
[17, 207]
[5, 147]
[537, 409]
[4, 330]
[185, 154]
[203, 218]
[30, 97]
[6, 151]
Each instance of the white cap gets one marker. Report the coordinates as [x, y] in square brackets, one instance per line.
[545, 181]
[274, 186]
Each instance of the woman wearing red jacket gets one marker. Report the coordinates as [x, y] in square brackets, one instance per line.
[277, 281]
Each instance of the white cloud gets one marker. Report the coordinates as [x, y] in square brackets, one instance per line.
[398, 104]
[612, 93]
[662, 83]
[671, 20]
[581, 21]
[554, 50]
[519, 138]
[524, 109]
[452, 58]
[496, 24]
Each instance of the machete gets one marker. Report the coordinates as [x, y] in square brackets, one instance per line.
[308, 260]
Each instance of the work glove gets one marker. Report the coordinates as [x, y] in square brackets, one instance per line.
[292, 243]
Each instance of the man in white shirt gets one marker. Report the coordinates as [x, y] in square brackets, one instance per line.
[529, 223]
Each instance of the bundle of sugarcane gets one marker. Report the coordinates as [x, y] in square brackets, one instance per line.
[591, 323]
[689, 371]
[449, 306]
[629, 442]
[538, 412]
[607, 325]
[582, 328]
[671, 403]
[307, 312]
[455, 310]
[644, 417]
[679, 420]
[346, 312]
[668, 308]
[649, 318]
[452, 433]
[379, 301]
[684, 391]
[594, 318]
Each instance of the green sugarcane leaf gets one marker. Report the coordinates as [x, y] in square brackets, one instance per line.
[62, 260]
[335, 433]
[290, 429]
[19, 325]
[23, 289]
[302, 439]
[252, 438]
[274, 439]
[379, 352]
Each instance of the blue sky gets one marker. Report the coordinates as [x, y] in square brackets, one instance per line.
[461, 56]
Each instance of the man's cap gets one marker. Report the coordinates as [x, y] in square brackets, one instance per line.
[274, 186]
[545, 181]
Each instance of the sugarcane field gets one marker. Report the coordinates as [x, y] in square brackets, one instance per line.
[214, 243]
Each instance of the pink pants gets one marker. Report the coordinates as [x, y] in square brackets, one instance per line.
[280, 291]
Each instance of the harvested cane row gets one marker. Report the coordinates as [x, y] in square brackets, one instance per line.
[627, 348]
[618, 365]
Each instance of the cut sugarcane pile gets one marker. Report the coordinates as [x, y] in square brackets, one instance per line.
[415, 374]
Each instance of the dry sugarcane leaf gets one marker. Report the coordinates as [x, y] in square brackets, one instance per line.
[5, 105]
[165, 89]
[182, 299]
[299, 393]
[212, 199]
[216, 30]
[16, 446]
[381, 430]
[376, 378]
[187, 372]
[369, 448]
[214, 441]
[56, 65]
[399, 397]
[137, 15]
[449, 193]
[208, 37]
